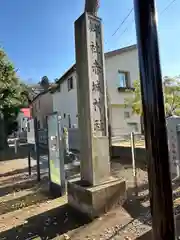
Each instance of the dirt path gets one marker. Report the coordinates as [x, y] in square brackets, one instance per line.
[27, 211]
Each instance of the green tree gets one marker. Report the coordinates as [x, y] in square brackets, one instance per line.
[172, 95]
[45, 82]
[171, 89]
[13, 96]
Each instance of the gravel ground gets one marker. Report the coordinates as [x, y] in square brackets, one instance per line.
[129, 222]
[115, 225]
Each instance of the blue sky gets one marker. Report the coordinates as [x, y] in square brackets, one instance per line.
[38, 35]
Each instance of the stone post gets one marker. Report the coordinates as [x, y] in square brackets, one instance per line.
[96, 191]
[66, 140]
[92, 100]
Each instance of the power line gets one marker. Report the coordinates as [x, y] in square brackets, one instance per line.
[165, 9]
[130, 12]
[124, 20]
[126, 29]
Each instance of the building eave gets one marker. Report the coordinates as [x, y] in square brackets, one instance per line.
[120, 51]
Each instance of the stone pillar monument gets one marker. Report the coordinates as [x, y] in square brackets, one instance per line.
[96, 191]
[92, 104]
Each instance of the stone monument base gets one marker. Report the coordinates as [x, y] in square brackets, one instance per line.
[96, 200]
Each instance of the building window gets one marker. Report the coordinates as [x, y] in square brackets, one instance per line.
[70, 83]
[38, 124]
[59, 88]
[69, 121]
[123, 79]
[126, 115]
[28, 126]
[133, 127]
[64, 115]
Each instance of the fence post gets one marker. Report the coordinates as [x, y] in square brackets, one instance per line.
[15, 146]
[29, 160]
[134, 164]
[66, 140]
[37, 150]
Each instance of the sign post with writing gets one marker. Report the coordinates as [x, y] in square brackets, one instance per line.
[97, 88]
[173, 131]
[92, 100]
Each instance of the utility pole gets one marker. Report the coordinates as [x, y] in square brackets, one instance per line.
[160, 188]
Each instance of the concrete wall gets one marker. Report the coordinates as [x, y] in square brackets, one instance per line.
[42, 106]
[118, 152]
[74, 139]
[124, 153]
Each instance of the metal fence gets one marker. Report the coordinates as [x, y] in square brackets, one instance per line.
[120, 138]
[43, 138]
[123, 140]
[74, 139]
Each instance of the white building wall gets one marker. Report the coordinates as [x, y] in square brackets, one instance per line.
[65, 101]
[42, 106]
[127, 62]
[22, 122]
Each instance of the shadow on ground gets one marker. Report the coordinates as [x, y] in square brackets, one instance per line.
[9, 153]
[16, 172]
[146, 236]
[137, 211]
[33, 196]
[47, 225]
[20, 186]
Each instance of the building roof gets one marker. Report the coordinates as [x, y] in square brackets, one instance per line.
[108, 54]
[26, 112]
[120, 51]
[44, 91]
[40, 94]
[67, 73]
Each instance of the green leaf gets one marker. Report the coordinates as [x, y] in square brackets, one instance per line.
[171, 89]
[13, 93]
